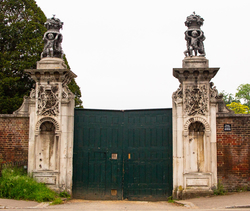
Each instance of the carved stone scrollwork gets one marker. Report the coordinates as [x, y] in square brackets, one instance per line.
[178, 94]
[48, 102]
[66, 93]
[33, 94]
[196, 100]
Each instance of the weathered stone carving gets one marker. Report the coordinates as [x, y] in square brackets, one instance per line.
[178, 94]
[194, 36]
[33, 93]
[48, 102]
[213, 91]
[66, 93]
[53, 38]
[196, 100]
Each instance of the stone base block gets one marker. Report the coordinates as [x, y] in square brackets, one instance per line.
[195, 62]
[51, 63]
[49, 178]
[187, 194]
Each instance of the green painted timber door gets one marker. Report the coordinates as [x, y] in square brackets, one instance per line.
[122, 154]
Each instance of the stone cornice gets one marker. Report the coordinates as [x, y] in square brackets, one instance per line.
[194, 74]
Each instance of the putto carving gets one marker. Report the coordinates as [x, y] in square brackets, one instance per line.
[48, 102]
[53, 38]
[178, 94]
[194, 36]
[196, 100]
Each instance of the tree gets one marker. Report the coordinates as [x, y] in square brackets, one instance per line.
[244, 93]
[228, 98]
[74, 88]
[21, 33]
[238, 108]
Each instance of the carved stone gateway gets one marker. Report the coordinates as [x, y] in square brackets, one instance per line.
[195, 104]
[51, 112]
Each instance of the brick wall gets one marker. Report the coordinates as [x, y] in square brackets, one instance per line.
[14, 138]
[233, 151]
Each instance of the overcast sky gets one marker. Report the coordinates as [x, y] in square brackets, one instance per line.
[124, 51]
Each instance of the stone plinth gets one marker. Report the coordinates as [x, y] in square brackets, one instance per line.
[51, 63]
[195, 62]
[194, 129]
[51, 113]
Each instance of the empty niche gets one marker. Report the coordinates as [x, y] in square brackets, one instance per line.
[47, 147]
[195, 147]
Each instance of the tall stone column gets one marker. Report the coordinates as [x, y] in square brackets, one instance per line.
[51, 110]
[195, 104]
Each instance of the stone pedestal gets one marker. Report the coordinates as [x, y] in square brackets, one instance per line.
[51, 111]
[195, 104]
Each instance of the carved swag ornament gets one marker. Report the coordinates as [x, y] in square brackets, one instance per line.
[48, 102]
[196, 100]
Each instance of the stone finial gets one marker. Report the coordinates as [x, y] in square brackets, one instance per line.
[52, 38]
[194, 36]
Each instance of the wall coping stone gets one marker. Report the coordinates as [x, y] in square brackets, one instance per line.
[232, 115]
[14, 115]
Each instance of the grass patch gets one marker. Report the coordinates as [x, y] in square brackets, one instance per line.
[170, 199]
[15, 184]
[56, 201]
[64, 194]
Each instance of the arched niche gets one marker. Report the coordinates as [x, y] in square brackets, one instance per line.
[47, 147]
[47, 119]
[196, 134]
[196, 145]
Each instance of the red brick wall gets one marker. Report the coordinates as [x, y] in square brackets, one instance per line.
[233, 151]
[14, 138]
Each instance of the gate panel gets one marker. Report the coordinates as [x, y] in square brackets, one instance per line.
[148, 154]
[97, 172]
[120, 155]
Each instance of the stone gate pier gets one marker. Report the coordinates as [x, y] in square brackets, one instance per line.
[195, 104]
[51, 115]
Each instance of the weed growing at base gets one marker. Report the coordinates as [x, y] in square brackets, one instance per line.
[220, 189]
[14, 184]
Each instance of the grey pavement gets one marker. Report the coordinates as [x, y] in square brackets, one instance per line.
[229, 201]
[14, 204]
[232, 201]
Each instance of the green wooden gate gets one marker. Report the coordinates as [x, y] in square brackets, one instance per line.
[122, 154]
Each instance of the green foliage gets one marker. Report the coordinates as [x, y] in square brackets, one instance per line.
[220, 189]
[74, 88]
[14, 184]
[57, 201]
[21, 32]
[238, 108]
[170, 199]
[234, 103]
[243, 93]
[229, 98]
[242, 188]
[64, 194]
